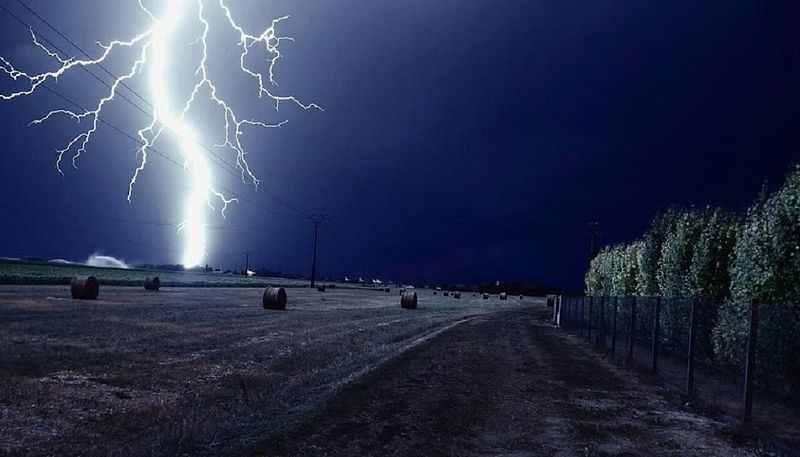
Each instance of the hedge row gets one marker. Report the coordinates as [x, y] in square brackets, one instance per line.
[726, 260]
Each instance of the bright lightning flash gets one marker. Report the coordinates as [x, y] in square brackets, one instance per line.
[155, 44]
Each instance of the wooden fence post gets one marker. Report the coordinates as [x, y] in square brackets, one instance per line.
[569, 313]
[656, 320]
[632, 335]
[601, 324]
[750, 365]
[580, 326]
[690, 357]
[589, 327]
[573, 322]
[599, 320]
[556, 305]
[614, 328]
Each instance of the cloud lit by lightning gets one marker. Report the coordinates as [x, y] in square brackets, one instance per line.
[156, 47]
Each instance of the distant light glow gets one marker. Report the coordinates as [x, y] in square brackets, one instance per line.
[157, 44]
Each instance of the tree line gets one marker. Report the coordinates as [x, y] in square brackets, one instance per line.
[725, 260]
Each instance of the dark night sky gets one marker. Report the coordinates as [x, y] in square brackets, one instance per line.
[461, 140]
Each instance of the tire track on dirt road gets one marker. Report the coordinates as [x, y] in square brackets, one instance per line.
[507, 383]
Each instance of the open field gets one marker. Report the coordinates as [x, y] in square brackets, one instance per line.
[347, 372]
[25, 272]
[189, 369]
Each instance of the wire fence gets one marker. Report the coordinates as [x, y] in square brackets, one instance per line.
[756, 383]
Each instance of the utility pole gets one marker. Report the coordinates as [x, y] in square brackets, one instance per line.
[592, 238]
[246, 262]
[316, 219]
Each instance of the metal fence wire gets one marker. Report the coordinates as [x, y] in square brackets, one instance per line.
[751, 372]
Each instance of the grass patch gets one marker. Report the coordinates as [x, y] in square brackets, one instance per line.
[43, 273]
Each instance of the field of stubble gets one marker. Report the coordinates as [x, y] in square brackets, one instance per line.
[188, 370]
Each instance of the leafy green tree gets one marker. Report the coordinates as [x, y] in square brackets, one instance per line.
[650, 255]
[608, 265]
[766, 267]
[708, 275]
[597, 278]
[613, 271]
[625, 268]
[708, 278]
[677, 251]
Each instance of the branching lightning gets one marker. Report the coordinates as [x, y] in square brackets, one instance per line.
[154, 46]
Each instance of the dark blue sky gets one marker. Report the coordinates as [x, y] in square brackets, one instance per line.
[461, 140]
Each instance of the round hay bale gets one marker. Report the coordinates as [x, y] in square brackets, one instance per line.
[274, 298]
[321, 288]
[434, 292]
[84, 288]
[456, 294]
[503, 296]
[446, 293]
[485, 296]
[408, 300]
[152, 283]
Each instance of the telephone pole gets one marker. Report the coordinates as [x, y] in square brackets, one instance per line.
[246, 262]
[316, 219]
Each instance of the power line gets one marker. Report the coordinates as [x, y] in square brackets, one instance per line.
[222, 163]
[217, 160]
[112, 126]
[57, 48]
[152, 223]
[84, 53]
[163, 156]
[82, 229]
[62, 221]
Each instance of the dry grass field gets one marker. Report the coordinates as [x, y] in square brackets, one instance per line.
[190, 369]
[208, 371]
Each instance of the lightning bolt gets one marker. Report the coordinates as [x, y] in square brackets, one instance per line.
[154, 58]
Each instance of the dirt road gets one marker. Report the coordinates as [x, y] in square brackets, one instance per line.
[503, 384]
